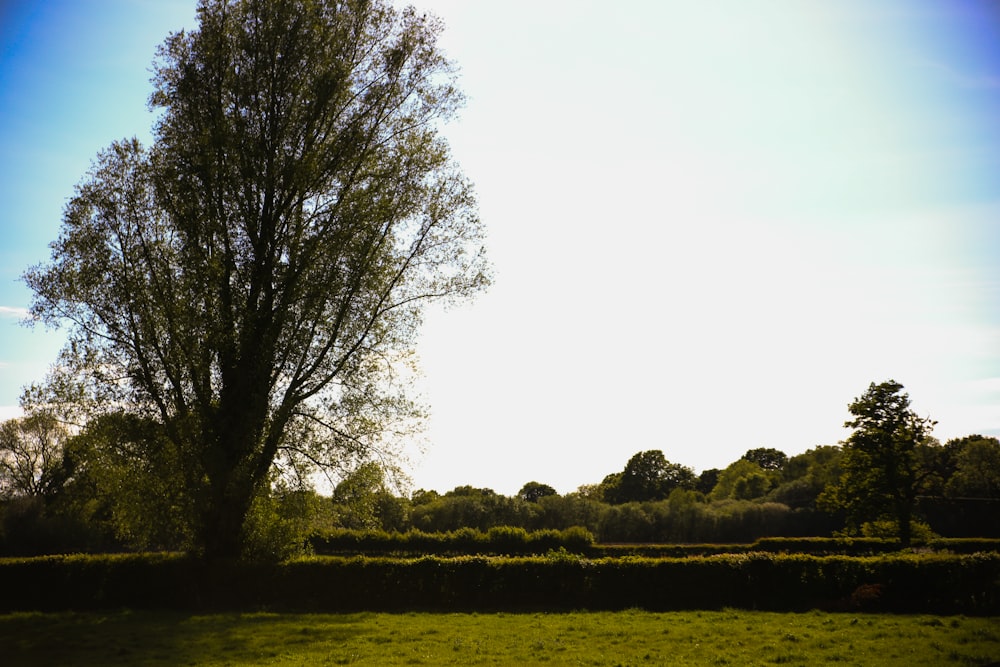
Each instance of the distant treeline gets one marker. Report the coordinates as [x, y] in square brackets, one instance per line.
[763, 494]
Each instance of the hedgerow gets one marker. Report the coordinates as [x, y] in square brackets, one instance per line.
[513, 541]
[848, 546]
[904, 582]
[864, 546]
[499, 540]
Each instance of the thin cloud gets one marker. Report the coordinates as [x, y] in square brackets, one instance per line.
[13, 311]
[10, 412]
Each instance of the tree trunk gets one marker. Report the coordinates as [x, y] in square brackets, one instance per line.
[904, 516]
[222, 528]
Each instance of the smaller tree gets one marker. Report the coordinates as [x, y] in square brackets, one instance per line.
[608, 490]
[707, 480]
[31, 456]
[363, 500]
[767, 458]
[532, 492]
[880, 468]
[977, 468]
[424, 497]
[742, 480]
[129, 468]
[650, 476]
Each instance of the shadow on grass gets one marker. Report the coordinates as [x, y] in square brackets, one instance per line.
[170, 638]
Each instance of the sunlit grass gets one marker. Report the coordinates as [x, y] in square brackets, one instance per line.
[624, 638]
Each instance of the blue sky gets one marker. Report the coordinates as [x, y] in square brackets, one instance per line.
[713, 224]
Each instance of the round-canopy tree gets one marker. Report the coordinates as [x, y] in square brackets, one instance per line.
[881, 471]
[249, 280]
[648, 476]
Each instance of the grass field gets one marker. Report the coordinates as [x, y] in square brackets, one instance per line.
[622, 638]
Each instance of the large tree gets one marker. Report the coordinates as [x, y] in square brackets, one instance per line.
[880, 468]
[251, 280]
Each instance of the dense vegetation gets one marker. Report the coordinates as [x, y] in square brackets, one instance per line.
[77, 506]
[113, 487]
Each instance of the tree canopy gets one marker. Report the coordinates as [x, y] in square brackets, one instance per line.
[532, 492]
[977, 467]
[31, 455]
[880, 469]
[767, 458]
[648, 475]
[252, 279]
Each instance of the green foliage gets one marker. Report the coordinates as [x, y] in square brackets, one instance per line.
[130, 467]
[743, 480]
[977, 468]
[887, 528]
[806, 476]
[468, 507]
[707, 480]
[362, 500]
[563, 512]
[278, 525]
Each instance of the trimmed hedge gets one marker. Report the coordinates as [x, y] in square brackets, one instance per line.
[665, 550]
[500, 540]
[913, 583]
[511, 541]
[965, 545]
[847, 546]
[866, 546]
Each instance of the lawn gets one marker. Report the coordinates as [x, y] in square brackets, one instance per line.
[606, 638]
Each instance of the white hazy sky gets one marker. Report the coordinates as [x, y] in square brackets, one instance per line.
[713, 223]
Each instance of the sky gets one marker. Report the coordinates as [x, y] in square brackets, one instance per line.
[713, 224]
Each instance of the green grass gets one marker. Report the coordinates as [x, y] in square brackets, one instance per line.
[623, 638]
